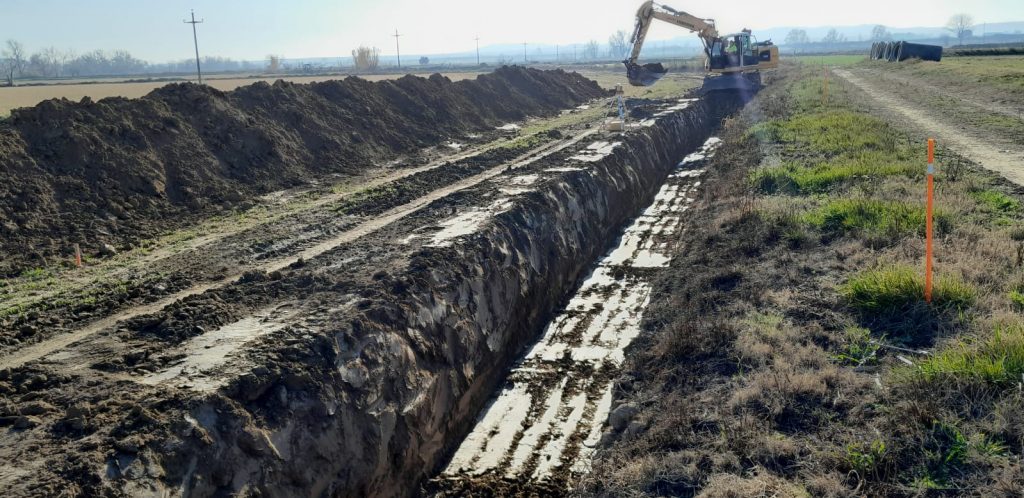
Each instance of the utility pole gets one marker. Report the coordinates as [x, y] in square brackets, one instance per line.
[556, 54]
[195, 38]
[477, 50]
[398, 52]
[524, 54]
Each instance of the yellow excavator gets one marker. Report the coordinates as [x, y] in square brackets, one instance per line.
[732, 62]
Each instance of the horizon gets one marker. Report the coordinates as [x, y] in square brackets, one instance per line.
[323, 29]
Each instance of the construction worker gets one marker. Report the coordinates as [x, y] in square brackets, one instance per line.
[732, 53]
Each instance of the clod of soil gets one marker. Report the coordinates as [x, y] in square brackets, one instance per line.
[116, 171]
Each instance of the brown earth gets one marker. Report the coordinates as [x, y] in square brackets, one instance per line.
[387, 350]
[118, 171]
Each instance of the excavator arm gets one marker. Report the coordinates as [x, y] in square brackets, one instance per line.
[649, 11]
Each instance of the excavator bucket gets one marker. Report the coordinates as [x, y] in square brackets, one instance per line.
[645, 75]
[744, 83]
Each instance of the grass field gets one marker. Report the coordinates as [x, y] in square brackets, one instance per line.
[827, 60]
[789, 349]
[1001, 73]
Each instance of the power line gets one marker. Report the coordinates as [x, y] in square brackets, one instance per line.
[398, 51]
[195, 38]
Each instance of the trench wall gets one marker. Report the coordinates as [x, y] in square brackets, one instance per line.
[401, 376]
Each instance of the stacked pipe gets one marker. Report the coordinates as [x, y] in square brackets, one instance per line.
[903, 50]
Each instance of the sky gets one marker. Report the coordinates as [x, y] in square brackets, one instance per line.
[252, 29]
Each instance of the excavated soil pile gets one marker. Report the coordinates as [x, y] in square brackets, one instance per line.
[119, 170]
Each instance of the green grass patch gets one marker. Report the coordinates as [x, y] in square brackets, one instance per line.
[996, 201]
[997, 360]
[896, 288]
[793, 178]
[35, 274]
[874, 218]
[831, 133]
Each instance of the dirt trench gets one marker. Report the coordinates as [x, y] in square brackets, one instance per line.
[355, 373]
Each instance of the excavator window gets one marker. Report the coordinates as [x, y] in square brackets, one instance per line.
[716, 55]
[749, 58]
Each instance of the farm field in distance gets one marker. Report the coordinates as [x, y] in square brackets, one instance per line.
[30, 95]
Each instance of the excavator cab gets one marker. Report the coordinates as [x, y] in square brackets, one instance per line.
[730, 52]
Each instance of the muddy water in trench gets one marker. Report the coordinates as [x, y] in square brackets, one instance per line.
[545, 422]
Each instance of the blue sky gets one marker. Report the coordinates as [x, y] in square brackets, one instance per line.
[251, 29]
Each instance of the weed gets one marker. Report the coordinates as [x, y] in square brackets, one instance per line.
[865, 459]
[1017, 298]
[997, 202]
[35, 274]
[988, 446]
[858, 348]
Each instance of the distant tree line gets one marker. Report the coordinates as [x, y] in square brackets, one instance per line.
[960, 26]
[50, 62]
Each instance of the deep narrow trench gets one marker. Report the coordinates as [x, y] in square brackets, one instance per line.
[541, 427]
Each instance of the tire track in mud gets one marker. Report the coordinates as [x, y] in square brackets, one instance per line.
[967, 142]
[541, 429]
[39, 350]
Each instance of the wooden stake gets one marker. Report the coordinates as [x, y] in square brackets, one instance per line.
[78, 256]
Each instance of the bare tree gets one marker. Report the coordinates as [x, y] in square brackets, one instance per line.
[273, 63]
[961, 26]
[833, 37]
[618, 44]
[51, 59]
[591, 50]
[13, 60]
[880, 33]
[366, 58]
[797, 38]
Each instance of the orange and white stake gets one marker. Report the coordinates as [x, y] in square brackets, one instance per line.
[78, 256]
[928, 222]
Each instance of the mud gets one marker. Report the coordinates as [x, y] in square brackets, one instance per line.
[541, 430]
[120, 171]
[355, 372]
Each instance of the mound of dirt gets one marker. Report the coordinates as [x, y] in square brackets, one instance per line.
[119, 170]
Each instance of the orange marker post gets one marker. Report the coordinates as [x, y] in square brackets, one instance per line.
[78, 256]
[928, 222]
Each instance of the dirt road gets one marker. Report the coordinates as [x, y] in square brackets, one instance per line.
[1000, 154]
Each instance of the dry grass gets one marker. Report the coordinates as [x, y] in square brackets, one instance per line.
[774, 362]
